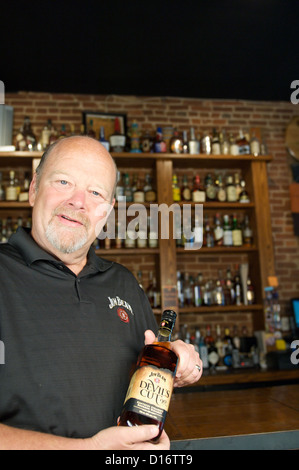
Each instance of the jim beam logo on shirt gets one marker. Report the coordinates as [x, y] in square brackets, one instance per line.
[122, 306]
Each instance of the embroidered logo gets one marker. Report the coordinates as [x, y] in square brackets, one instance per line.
[123, 315]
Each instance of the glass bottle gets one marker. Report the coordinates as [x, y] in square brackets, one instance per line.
[185, 190]
[156, 364]
[146, 142]
[103, 140]
[231, 193]
[224, 143]
[194, 145]
[117, 139]
[208, 236]
[227, 231]
[211, 190]
[243, 144]
[11, 190]
[255, 147]
[176, 193]
[206, 144]
[236, 232]
[198, 291]
[237, 186]
[247, 232]
[149, 192]
[221, 192]
[2, 192]
[138, 195]
[185, 143]
[215, 143]
[218, 231]
[233, 146]
[91, 132]
[243, 196]
[159, 144]
[176, 143]
[128, 193]
[198, 193]
[120, 189]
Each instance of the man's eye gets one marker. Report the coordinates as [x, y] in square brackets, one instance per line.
[64, 182]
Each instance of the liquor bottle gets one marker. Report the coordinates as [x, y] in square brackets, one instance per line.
[153, 293]
[243, 196]
[238, 185]
[187, 288]
[91, 132]
[45, 136]
[176, 143]
[211, 190]
[229, 290]
[128, 193]
[218, 231]
[62, 133]
[146, 142]
[138, 195]
[209, 338]
[53, 134]
[221, 192]
[236, 232]
[24, 192]
[152, 234]
[185, 143]
[219, 298]
[231, 193]
[208, 236]
[139, 278]
[215, 143]
[180, 288]
[11, 190]
[120, 190]
[2, 192]
[243, 144]
[198, 193]
[203, 352]
[228, 345]
[103, 140]
[149, 192]
[130, 240]
[233, 146]
[159, 144]
[26, 139]
[227, 231]
[220, 346]
[176, 193]
[145, 404]
[255, 147]
[250, 292]
[247, 232]
[238, 287]
[185, 190]
[117, 139]
[194, 145]
[206, 144]
[198, 291]
[224, 143]
[134, 134]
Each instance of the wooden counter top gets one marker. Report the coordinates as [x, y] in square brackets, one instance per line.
[202, 415]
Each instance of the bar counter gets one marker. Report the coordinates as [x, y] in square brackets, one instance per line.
[263, 417]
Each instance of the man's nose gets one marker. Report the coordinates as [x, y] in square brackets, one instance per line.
[77, 199]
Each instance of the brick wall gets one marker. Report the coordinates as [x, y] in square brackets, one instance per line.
[202, 114]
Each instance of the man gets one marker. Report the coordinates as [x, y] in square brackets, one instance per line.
[72, 323]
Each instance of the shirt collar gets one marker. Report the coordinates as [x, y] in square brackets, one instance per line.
[31, 252]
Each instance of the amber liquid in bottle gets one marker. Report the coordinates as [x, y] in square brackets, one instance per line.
[151, 386]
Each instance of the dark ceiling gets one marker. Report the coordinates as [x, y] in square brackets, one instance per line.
[240, 49]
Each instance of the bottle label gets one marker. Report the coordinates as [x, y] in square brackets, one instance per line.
[149, 392]
[198, 196]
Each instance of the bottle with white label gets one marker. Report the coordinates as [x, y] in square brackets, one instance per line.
[118, 139]
[11, 191]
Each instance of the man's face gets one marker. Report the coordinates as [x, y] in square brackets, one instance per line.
[73, 196]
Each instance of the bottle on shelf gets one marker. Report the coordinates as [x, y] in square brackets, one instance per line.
[198, 192]
[227, 231]
[206, 144]
[2, 191]
[91, 131]
[117, 139]
[25, 138]
[128, 193]
[198, 291]
[243, 196]
[134, 138]
[233, 146]
[224, 143]
[231, 193]
[237, 186]
[45, 135]
[11, 190]
[156, 362]
[146, 142]
[152, 234]
[159, 144]
[24, 192]
[149, 192]
[247, 232]
[216, 150]
[255, 147]
[185, 143]
[221, 192]
[176, 193]
[208, 235]
[218, 231]
[103, 140]
[180, 289]
[243, 144]
[176, 143]
[238, 287]
[120, 189]
[210, 187]
[187, 288]
[236, 232]
[138, 194]
[185, 190]
[194, 145]
[153, 292]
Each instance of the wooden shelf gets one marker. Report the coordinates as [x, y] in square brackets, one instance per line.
[127, 251]
[219, 249]
[14, 205]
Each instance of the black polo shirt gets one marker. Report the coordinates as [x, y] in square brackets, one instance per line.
[70, 341]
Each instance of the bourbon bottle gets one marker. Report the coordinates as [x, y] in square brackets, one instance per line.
[149, 393]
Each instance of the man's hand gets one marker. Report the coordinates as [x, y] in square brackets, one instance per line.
[187, 373]
[129, 438]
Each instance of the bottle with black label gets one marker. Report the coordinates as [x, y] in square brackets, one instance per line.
[149, 393]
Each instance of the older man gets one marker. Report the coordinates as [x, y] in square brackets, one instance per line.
[68, 351]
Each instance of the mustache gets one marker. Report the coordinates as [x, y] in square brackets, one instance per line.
[71, 214]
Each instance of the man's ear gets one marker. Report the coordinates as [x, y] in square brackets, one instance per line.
[32, 190]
